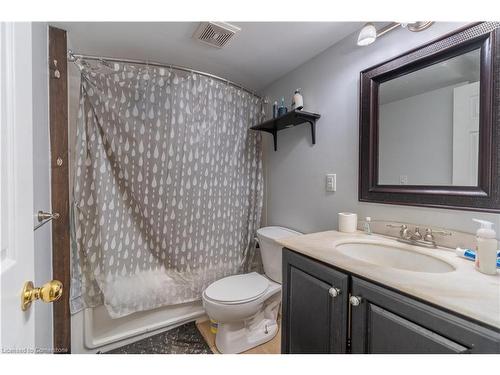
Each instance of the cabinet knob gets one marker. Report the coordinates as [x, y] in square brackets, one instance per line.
[355, 300]
[334, 292]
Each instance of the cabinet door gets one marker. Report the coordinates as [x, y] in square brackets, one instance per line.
[314, 319]
[388, 322]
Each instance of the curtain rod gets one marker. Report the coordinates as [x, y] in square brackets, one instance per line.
[74, 56]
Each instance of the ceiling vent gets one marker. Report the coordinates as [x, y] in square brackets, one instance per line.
[215, 34]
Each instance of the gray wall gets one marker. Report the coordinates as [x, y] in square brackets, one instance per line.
[416, 139]
[295, 174]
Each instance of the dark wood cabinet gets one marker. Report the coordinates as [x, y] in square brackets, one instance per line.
[314, 307]
[386, 333]
[386, 322]
[378, 320]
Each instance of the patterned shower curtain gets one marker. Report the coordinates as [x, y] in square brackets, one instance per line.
[167, 189]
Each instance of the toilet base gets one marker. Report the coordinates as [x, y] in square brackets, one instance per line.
[237, 337]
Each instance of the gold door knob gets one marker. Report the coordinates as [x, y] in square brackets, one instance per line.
[49, 292]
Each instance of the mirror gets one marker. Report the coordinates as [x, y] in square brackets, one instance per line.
[430, 124]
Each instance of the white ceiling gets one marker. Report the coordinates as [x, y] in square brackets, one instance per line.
[259, 54]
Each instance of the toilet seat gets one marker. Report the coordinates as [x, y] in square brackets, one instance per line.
[237, 289]
[246, 307]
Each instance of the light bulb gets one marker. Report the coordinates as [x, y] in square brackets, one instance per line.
[367, 35]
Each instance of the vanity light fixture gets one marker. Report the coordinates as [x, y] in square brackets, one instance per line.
[369, 33]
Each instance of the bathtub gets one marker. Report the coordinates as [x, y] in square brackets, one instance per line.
[93, 331]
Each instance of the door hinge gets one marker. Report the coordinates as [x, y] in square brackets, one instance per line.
[348, 345]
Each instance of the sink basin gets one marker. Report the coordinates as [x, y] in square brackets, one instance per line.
[394, 257]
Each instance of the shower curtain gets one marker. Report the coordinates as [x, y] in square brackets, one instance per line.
[167, 187]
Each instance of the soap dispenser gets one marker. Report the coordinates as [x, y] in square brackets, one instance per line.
[486, 257]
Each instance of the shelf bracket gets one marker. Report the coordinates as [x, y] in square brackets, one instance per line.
[275, 138]
[313, 127]
[313, 131]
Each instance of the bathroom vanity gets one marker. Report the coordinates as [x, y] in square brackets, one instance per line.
[429, 301]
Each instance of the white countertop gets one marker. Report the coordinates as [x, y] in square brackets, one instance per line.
[464, 290]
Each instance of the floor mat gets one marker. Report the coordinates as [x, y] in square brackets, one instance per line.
[185, 339]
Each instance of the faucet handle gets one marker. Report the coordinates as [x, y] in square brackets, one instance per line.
[429, 237]
[429, 234]
[403, 230]
[441, 232]
[402, 226]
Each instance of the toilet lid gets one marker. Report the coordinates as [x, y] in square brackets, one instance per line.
[237, 288]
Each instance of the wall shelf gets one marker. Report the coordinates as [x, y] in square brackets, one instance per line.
[288, 120]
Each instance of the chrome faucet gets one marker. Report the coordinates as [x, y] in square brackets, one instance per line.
[415, 237]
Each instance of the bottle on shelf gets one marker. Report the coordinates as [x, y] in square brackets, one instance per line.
[282, 109]
[297, 100]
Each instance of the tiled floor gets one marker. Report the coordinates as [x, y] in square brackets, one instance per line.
[271, 347]
[185, 339]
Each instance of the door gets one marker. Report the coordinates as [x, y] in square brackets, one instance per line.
[465, 135]
[23, 103]
[387, 333]
[314, 307]
[378, 327]
[17, 328]
[386, 322]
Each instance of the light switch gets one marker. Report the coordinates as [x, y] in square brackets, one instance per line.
[403, 179]
[331, 182]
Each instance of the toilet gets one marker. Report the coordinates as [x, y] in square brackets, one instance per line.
[246, 306]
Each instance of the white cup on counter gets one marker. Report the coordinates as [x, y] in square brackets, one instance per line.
[348, 222]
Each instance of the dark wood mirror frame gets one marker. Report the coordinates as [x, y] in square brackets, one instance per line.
[485, 196]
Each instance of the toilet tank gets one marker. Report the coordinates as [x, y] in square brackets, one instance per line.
[270, 250]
